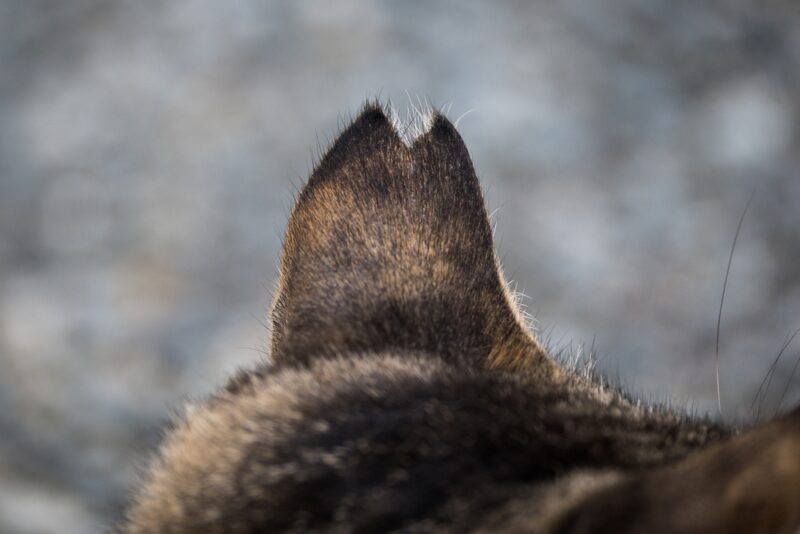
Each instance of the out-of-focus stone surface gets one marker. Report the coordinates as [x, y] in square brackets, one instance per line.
[149, 151]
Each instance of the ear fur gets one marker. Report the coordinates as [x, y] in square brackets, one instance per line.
[390, 246]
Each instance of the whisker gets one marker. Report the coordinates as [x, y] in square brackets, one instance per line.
[722, 298]
[786, 387]
[770, 373]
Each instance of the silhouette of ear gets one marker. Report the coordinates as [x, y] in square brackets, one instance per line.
[749, 484]
[389, 247]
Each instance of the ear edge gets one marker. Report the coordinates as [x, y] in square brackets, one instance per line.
[371, 129]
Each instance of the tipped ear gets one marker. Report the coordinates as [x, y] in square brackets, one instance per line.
[390, 248]
[749, 484]
[371, 134]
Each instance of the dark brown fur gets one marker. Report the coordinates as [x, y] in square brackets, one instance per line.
[405, 393]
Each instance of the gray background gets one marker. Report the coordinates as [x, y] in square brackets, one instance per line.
[149, 150]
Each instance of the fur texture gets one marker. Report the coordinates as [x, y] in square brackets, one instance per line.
[405, 393]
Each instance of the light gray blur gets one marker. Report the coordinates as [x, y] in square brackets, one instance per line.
[149, 152]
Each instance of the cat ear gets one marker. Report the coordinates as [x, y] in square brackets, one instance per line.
[749, 484]
[332, 226]
[390, 247]
[371, 138]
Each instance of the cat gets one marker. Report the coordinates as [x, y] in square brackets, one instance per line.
[404, 392]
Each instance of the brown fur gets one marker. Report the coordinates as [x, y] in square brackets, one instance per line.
[405, 393]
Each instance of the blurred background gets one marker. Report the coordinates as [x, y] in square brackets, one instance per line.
[149, 151]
